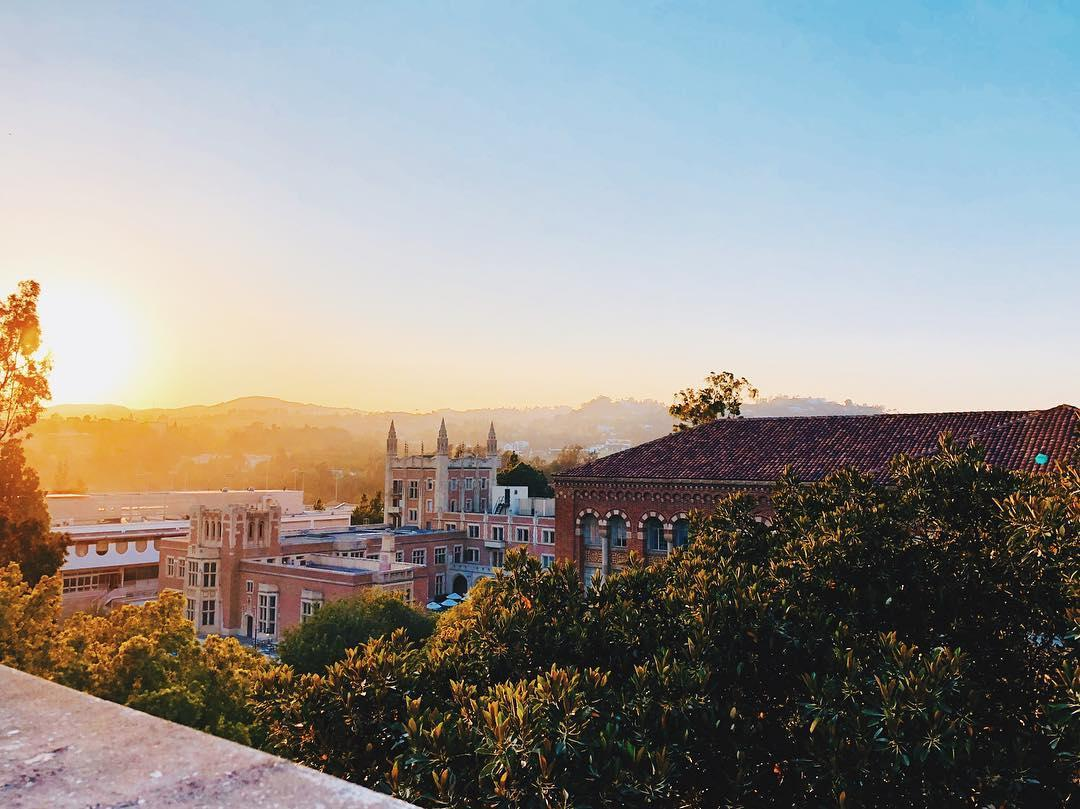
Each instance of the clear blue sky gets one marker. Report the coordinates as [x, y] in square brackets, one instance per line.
[414, 205]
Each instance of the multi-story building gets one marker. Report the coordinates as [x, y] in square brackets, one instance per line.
[242, 577]
[437, 492]
[641, 499]
[112, 553]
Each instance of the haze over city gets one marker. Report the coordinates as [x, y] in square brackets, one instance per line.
[477, 205]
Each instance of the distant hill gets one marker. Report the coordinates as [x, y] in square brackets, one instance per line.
[543, 429]
[332, 452]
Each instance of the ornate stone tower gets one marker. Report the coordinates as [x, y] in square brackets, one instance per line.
[492, 442]
[388, 481]
[442, 469]
[442, 446]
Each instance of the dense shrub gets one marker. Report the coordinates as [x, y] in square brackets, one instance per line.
[909, 642]
[324, 638]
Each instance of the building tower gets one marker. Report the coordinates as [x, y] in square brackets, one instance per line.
[388, 481]
[442, 446]
[442, 470]
[492, 442]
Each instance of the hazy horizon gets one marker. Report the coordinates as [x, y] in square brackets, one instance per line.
[491, 205]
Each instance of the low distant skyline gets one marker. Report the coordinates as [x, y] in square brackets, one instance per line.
[415, 206]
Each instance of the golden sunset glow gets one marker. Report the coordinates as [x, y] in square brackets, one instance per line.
[93, 342]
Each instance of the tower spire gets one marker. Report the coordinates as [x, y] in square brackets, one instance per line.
[442, 446]
[391, 441]
[492, 441]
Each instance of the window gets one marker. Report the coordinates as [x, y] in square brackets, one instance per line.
[79, 584]
[412, 515]
[250, 586]
[495, 558]
[170, 567]
[547, 536]
[267, 613]
[181, 568]
[472, 555]
[208, 610]
[469, 483]
[193, 575]
[483, 483]
[209, 576]
[399, 556]
[440, 583]
[189, 611]
[680, 533]
[483, 505]
[616, 531]
[440, 556]
[468, 504]
[428, 505]
[309, 605]
[457, 554]
[474, 531]
[453, 505]
[453, 484]
[654, 535]
[590, 529]
[546, 560]
[396, 488]
[414, 489]
[521, 534]
[498, 533]
[419, 556]
[430, 485]
[451, 526]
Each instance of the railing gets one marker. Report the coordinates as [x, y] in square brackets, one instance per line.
[146, 588]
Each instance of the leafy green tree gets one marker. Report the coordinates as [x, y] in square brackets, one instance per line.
[368, 511]
[526, 475]
[24, 519]
[722, 397]
[901, 642]
[23, 371]
[340, 625]
[148, 657]
[25, 538]
[29, 617]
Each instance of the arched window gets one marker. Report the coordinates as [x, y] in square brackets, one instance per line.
[654, 535]
[590, 529]
[617, 532]
[680, 533]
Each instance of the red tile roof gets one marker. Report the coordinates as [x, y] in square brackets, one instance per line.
[758, 449]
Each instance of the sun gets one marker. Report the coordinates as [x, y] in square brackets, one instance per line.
[92, 340]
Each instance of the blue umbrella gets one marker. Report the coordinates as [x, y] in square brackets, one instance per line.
[454, 597]
[449, 603]
[434, 605]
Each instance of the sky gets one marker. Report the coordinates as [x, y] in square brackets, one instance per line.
[409, 205]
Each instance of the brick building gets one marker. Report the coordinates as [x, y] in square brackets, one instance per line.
[437, 492]
[112, 552]
[641, 499]
[242, 577]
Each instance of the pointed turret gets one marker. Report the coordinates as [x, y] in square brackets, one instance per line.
[492, 442]
[443, 444]
[391, 441]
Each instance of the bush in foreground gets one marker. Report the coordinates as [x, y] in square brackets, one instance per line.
[341, 625]
[909, 643]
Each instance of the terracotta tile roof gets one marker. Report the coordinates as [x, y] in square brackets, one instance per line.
[758, 449]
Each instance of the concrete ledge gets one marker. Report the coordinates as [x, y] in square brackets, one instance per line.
[63, 748]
